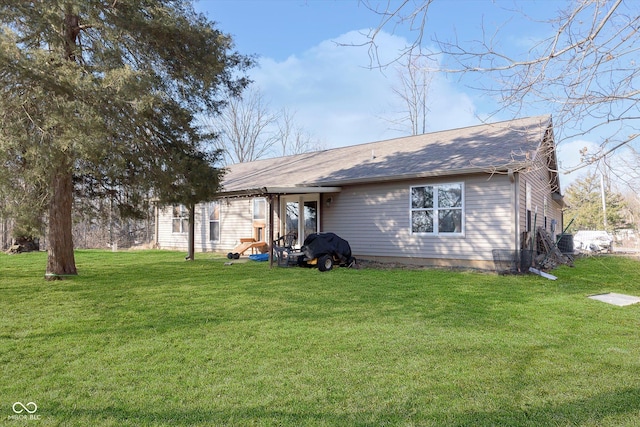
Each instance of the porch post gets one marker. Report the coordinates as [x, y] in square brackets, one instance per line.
[270, 233]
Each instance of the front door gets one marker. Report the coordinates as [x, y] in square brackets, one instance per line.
[301, 216]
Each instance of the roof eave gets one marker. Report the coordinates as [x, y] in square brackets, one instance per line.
[430, 174]
[286, 189]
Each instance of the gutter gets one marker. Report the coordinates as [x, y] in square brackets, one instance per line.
[262, 191]
[335, 185]
[431, 174]
[560, 199]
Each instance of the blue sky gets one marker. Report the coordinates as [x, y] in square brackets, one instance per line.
[336, 98]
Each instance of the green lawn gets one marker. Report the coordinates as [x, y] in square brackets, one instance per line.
[147, 339]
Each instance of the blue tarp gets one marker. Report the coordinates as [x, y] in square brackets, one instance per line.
[259, 257]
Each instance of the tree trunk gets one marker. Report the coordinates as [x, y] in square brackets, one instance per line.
[61, 261]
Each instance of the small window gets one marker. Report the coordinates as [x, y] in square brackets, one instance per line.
[214, 222]
[259, 218]
[180, 219]
[437, 209]
[259, 209]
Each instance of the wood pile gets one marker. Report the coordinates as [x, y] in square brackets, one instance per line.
[24, 244]
[548, 255]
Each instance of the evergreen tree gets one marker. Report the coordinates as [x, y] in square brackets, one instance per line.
[584, 197]
[107, 90]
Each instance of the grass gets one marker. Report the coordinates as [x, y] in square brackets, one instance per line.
[147, 339]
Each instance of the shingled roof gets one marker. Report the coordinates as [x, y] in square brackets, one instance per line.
[483, 148]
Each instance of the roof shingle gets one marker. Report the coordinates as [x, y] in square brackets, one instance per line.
[496, 146]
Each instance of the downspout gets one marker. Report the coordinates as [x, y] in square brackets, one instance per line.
[515, 202]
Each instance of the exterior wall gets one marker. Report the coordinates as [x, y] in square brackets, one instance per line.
[539, 179]
[236, 221]
[375, 220]
[165, 238]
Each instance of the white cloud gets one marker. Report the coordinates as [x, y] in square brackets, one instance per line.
[449, 108]
[340, 101]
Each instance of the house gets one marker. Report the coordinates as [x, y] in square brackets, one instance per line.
[446, 198]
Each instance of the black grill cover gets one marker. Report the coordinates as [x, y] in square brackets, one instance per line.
[318, 244]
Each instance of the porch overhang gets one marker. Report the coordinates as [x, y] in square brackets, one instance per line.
[302, 190]
[277, 190]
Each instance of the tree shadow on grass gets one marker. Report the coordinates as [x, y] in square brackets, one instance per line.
[595, 410]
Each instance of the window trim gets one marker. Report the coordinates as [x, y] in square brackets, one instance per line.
[183, 215]
[211, 209]
[253, 209]
[436, 209]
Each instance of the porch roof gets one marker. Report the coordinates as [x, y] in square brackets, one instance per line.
[490, 148]
[281, 190]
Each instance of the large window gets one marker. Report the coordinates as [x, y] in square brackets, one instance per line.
[437, 209]
[214, 221]
[180, 219]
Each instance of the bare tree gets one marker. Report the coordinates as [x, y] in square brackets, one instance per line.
[412, 89]
[247, 128]
[293, 138]
[585, 72]
[627, 168]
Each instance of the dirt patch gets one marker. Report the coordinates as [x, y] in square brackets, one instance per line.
[377, 265]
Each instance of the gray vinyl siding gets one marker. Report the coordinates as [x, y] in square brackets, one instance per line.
[375, 219]
[539, 179]
[166, 237]
[235, 223]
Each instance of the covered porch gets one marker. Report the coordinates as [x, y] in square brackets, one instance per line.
[294, 212]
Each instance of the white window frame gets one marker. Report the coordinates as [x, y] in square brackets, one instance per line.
[436, 209]
[180, 214]
[255, 210]
[302, 201]
[212, 208]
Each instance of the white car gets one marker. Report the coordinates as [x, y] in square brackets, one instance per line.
[593, 241]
